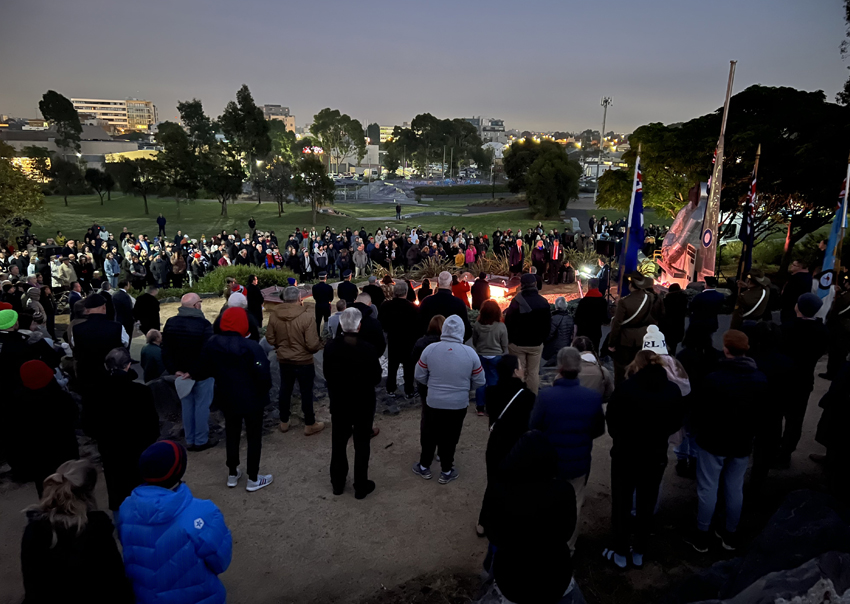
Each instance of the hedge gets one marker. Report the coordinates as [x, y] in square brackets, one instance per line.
[213, 282]
[429, 191]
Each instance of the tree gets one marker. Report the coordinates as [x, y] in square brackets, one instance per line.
[40, 158]
[246, 129]
[222, 174]
[7, 151]
[843, 97]
[520, 156]
[96, 179]
[60, 111]
[136, 176]
[178, 165]
[339, 135]
[67, 177]
[373, 133]
[278, 181]
[108, 184]
[284, 142]
[312, 182]
[20, 199]
[552, 182]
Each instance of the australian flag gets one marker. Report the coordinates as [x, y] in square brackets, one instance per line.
[748, 228]
[629, 260]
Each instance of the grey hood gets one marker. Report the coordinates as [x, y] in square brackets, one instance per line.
[453, 330]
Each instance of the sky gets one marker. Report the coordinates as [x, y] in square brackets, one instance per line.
[537, 64]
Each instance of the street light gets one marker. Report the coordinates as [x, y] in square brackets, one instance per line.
[259, 163]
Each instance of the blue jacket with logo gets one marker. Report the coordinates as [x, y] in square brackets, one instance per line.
[174, 546]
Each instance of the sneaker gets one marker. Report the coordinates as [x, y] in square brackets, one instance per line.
[699, 540]
[338, 490]
[480, 411]
[375, 431]
[447, 477]
[410, 396]
[423, 472]
[283, 427]
[391, 395]
[314, 428]
[233, 479]
[361, 493]
[263, 480]
[728, 540]
[207, 445]
[818, 457]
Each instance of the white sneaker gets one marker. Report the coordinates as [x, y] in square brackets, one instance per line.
[263, 480]
[233, 480]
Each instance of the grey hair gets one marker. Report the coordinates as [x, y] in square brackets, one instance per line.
[291, 294]
[364, 298]
[569, 360]
[561, 303]
[444, 279]
[400, 289]
[117, 359]
[350, 319]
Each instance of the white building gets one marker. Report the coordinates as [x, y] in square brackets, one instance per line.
[133, 114]
[386, 133]
[279, 113]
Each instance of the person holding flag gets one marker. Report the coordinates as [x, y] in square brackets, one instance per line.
[832, 254]
[634, 228]
[748, 231]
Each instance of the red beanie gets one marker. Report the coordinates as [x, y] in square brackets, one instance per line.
[5, 306]
[36, 374]
[235, 319]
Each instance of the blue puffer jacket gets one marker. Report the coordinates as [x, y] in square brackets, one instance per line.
[174, 546]
[570, 416]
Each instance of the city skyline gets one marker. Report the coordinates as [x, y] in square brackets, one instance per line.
[658, 60]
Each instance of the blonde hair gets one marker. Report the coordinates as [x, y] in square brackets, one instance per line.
[68, 497]
[643, 359]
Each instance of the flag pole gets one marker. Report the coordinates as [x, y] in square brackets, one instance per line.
[750, 236]
[838, 245]
[625, 247]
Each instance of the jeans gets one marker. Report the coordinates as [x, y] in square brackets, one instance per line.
[359, 271]
[113, 281]
[305, 374]
[633, 477]
[440, 432]
[489, 366]
[578, 485]
[709, 470]
[253, 432]
[196, 412]
[687, 449]
[530, 358]
[400, 354]
[343, 427]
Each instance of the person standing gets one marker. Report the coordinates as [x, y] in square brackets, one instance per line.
[592, 314]
[726, 411]
[556, 258]
[399, 319]
[634, 314]
[675, 312]
[398, 211]
[183, 338]
[175, 546]
[160, 221]
[799, 283]
[449, 370]
[353, 371]
[490, 340]
[361, 259]
[603, 275]
[292, 331]
[68, 545]
[346, 290]
[705, 307]
[240, 369]
[146, 310]
[255, 299]
[560, 332]
[442, 302]
[753, 299]
[571, 417]
[323, 295]
[151, 356]
[838, 323]
[516, 258]
[123, 303]
[480, 291]
[528, 321]
[374, 290]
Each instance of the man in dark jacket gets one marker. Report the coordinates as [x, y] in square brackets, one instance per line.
[255, 299]
[799, 282]
[370, 328]
[528, 320]
[592, 314]
[806, 340]
[480, 291]
[352, 371]
[146, 310]
[705, 307]
[442, 302]
[400, 321]
[374, 290]
[323, 295]
[182, 341]
[160, 221]
[727, 410]
[241, 372]
[346, 290]
[123, 303]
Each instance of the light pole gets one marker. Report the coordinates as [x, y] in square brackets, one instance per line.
[606, 101]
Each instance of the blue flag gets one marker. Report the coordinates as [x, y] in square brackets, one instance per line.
[629, 257]
[827, 275]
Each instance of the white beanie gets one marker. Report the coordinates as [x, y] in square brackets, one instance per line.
[237, 300]
[653, 340]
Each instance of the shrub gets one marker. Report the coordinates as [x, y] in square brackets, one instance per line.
[768, 252]
[214, 281]
[431, 267]
[380, 271]
[429, 191]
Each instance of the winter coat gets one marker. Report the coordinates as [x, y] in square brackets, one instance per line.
[490, 340]
[570, 416]
[591, 315]
[515, 256]
[111, 268]
[528, 318]
[151, 362]
[370, 328]
[292, 331]
[182, 340]
[347, 291]
[360, 259]
[805, 342]
[704, 309]
[352, 372]
[642, 413]
[513, 423]
[595, 376]
[241, 372]
[174, 546]
[87, 565]
[442, 302]
[146, 312]
[255, 302]
[675, 311]
[728, 408]
[449, 369]
[560, 334]
[375, 293]
[480, 293]
[399, 318]
[633, 315]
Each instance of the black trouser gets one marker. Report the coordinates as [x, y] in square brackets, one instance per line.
[766, 445]
[639, 478]
[305, 374]
[161, 232]
[343, 427]
[323, 311]
[254, 433]
[400, 354]
[440, 432]
[554, 272]
[838, 351]
[796, 403]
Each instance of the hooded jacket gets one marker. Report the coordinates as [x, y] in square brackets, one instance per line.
[241, 372]
[528, 318]
[174, 546]
[183, 338]
[449, 368]
[292, 331]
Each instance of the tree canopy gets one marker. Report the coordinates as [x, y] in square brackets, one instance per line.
[424, 141]
[313, 183]
[339, 135]
[544, 171]
[20, 197]
[60, 111]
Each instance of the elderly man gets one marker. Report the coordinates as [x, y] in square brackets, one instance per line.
[292, 331]
[399, 319]
[528, 320]
[442, 302]
[183, 338]
[353, 370]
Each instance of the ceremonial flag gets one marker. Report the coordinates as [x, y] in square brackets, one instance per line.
[748, 227]
[634, 235]
[833, 247]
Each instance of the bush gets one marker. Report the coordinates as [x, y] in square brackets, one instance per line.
[173, 292]
[429, 191]
[214, 281]
[431, 267]
[768, 252]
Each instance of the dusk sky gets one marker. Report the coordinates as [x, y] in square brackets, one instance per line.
[538, 64]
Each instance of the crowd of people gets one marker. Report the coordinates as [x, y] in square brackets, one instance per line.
[717, 407]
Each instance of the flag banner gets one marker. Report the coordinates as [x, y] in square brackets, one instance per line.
[708, 243]
[635, 235]
[827, 275]
[748, 228]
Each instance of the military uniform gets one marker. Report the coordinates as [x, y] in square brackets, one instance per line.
[633, 315]
[752, 302]
[838, 322]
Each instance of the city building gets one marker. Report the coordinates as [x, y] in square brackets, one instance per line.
[491, 130]
[95, 144]
[280, 113]
[127, 114]
[386, 133]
